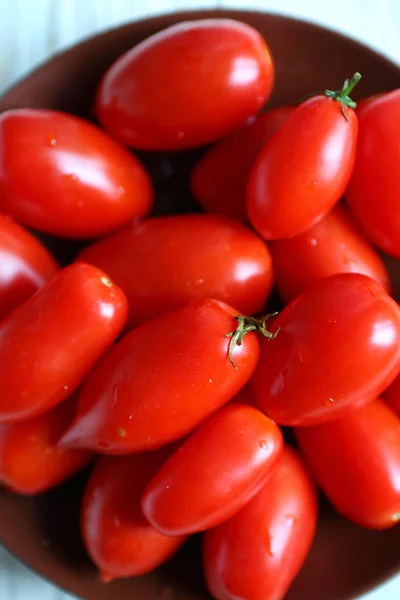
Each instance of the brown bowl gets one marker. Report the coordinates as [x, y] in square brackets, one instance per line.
[43, 532]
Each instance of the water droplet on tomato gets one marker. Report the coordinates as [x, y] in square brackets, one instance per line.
[199, 281]
[312, 241]
[263, 445]
[51, 140]
[292, 520]
[329, 402]
[66, 387]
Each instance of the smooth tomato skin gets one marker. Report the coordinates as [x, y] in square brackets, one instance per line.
[30, 460]
[49, 344]
[339, 345]
[392, 395]
[333, 245]
[303, 170]
[356, 461]
[374, 189]
[186, 86]
[77, 182]
[25, 265]
[215, 472]
[162, 380]
[163, 262]
[219, 179]
[117, 536]
[258, 553]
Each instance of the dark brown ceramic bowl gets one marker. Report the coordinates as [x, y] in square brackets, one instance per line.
[43, 532]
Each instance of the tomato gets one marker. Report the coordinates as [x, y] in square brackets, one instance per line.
[64, 176]
[333, 245]
[214, 473]
[25, 265]
[162, 380]
[163, 262]
[392, 395]
[48, 345]
[187, 85]
[117, 536]
[338, 344]
[219, 180]
[356, 461]
[30, 461]
[305, 167]
[259, 552]
[374, 189]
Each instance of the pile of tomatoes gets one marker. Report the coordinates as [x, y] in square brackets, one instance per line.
[155, 354]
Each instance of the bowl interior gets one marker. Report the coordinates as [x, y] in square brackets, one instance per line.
[44, 531]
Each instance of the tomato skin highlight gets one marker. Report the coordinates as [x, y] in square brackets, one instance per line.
[162, 380]
[186, 86]
[117, 536]
[48, 344]
[77, 183]
[25, 265]
[356, 461]
[163, 262]
[333, 245]
[234, 451]
[259, 552]
[339, 345]
[219, 179]
[303, 170]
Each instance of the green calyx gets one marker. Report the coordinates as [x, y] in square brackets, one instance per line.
[343, 95]
[245, 325]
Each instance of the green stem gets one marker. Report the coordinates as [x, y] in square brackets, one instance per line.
[343, 96]
[245, 325]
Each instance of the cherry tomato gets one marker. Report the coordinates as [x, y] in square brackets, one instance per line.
[392, 395]
[338, 344]
[374, 189]
[117, 536]
[333, 245]
[25, 265]
[356, 461]
[30, 461]
[305, 167]
[162, 380]
[162, 263]
[214, 473]
[219, 180]
[77, 182]
[187, 85]
[48, 345]
[259, 552]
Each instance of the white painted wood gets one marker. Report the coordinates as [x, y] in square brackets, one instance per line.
[32, 30]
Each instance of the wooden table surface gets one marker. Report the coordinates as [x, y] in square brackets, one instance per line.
[32, 30]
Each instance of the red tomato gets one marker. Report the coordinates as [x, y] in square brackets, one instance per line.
[30, 461]
[187, 85]
[164, 262]
[48, 345]
[356, 461]
[339, 344]
[392, 395]
[117, 536]
[162, 380]
[259, 552]
[374, 190]
[333, 245]
[304, 169]
[214, 473]
[219, 180]
[25, 265]
[77, 182]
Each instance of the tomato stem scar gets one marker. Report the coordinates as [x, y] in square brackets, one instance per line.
[245, 325]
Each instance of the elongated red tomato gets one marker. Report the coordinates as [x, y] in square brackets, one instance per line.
[356, 461]
[333, 245]
[48, 345]
[187, 85]
[30, 460]
[392, 395]
[219, 180]
[162, 380]
[164, 262]
[259, 552]
[339, 345]
[305, 167]
[118, 538]
[214, 473]
[64, 176]
[374, 189]
[25, 265]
